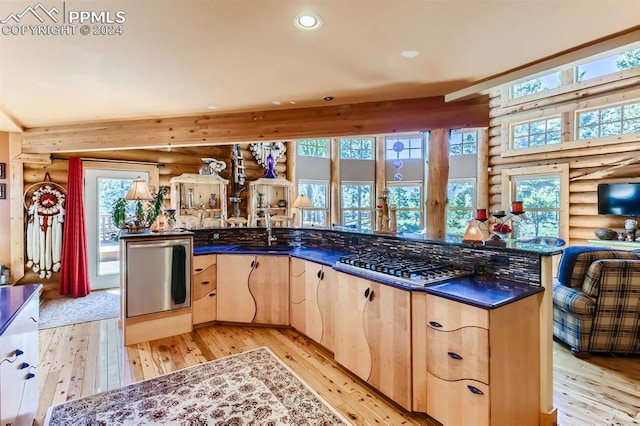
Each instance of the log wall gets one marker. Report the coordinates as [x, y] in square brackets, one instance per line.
[590, 161]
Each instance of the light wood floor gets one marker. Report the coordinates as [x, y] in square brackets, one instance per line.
[83, 359]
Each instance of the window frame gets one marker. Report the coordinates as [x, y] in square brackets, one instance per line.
[560, 170]
[369, 209]
[372, 139]
[420, 209]
[513, 125]
[304, 142]
[474, 203]
[462, 144]
[326, 209]
[410, 150]
[599, 109]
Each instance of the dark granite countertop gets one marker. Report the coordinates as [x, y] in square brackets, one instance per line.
[12, 299]
[152, 234]
[483, 292]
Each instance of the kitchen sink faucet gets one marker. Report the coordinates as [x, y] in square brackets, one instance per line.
[270, 238]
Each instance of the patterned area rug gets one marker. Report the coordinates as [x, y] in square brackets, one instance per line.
[95, 306]
[253, 387]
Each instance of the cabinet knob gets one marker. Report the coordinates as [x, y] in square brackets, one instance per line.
[475, 390]
[454, 355]
[435, 324]
[30, 376]
[24, 365]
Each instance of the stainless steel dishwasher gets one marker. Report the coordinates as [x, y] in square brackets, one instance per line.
[158, 275]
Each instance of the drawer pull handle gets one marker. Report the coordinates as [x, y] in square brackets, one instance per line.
[30, 376]
[435, 324]
[24, 365]
[475, 390]
[322, 275]
[199, 269]
[33, 319]
[454, 355]
[205, 282]
[18, 352]
[318, 274]
[212, 295]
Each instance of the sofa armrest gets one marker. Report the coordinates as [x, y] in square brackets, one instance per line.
[614, 276]
[573, 300]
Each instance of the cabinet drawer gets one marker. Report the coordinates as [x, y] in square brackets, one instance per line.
[204, 282]
[459, 354]
[204, 309]
[447, 315]
[200, 263]
[463, 402]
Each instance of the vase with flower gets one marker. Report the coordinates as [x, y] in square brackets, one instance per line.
[500, 231]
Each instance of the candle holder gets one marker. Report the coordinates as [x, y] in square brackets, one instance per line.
[499, 228]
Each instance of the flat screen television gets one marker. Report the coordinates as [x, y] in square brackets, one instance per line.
[622, 199]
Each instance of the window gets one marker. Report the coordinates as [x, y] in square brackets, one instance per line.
[541, 201]
[461, 201]
[357, 204]
[313, 147]
[403, 147]
[357, 149]
[408, 200]
[536, 85]
[536, 133]
[609, 65]
[318, 193]
[609, 121]
[463, 142]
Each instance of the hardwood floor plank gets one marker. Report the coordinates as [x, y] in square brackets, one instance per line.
[598, 390]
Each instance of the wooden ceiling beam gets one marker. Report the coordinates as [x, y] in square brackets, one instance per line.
[223, 128]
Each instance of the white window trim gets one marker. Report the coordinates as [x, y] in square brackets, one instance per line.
[561, 170]
[328, 148]
[600, 108]
[420, 136]
[373, 148]
[325, 183]
[369, 209]
[470, 130]
[572, 108]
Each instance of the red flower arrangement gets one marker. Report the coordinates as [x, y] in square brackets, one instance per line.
[501, 228]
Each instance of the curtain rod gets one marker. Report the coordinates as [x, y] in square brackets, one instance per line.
[108, 160]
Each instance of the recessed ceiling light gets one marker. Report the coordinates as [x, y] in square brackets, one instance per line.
[212, 107]
[409, 53]
[292, 102]
[276, 102]
[328, 98]
[307, 21]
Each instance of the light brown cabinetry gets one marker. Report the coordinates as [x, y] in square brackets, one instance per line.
[297, 295]
[483, 360]
[18, 368]
[253, 289]
[373, 334]
[204, 288]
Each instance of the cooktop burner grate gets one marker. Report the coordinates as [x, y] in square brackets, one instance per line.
[410, 270]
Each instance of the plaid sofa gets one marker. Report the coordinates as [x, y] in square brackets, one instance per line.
[596, 300]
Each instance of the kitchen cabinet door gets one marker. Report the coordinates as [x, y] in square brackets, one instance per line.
[351, 348]
[298, 298]
[204, 288]
[387, 325]
[269, 285]
[320, 295]
[235, 302]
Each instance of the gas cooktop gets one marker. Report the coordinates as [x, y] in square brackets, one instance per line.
[409, 270]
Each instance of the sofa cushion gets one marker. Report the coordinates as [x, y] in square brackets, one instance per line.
[576, 260]
[572, 300]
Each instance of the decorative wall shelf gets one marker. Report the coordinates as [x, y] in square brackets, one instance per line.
[200, 201]
[271, 196]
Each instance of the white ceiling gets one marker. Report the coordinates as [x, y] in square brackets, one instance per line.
[178, 57]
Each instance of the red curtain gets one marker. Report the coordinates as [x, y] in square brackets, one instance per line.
[74, 270]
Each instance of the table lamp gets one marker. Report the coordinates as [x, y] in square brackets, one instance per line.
[301, 203]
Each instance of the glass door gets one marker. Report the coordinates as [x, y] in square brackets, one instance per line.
[102, 187]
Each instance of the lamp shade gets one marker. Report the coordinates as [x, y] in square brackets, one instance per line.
[138, 191]
[302, 201]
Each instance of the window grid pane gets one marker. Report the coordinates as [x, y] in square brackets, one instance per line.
[356, 149]
[356, 205]
[541, 200]
[609, 65]
[609, 121]
[460, 205]
[403, 147]
[536, 85]
[536, 133]
[463, 142]
[408, 201]
[317, 192]
[313, 147]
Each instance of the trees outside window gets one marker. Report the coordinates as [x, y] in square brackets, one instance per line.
[463, 142]
[317, 192]
[357, 204]
[461, 201]
[408, 200]
[611, 120]
[356, 148]
[541, 201]
[536, 85]
[313, 147]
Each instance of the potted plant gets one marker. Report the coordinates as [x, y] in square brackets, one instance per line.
[146, 212]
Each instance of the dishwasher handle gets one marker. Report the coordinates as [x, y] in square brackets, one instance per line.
[159, 244]
[178, 274]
